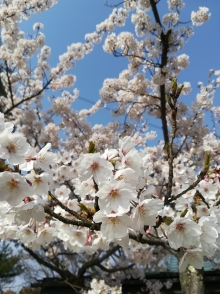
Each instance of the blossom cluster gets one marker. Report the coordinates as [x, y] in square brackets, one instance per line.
[114, 189]
[100, 189]
[99, 286]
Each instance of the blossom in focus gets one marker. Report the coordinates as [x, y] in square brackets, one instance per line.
[182, 204]
[99, 242]
[146, 212]
[62, 193]
[39, 182]
[182, 232]
[13, 147]
[93, 165]
[114, 225]
[14, 188]
[131, 160]
[128, 175]
[115, 196]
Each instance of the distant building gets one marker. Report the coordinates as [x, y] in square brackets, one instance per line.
[132, 286]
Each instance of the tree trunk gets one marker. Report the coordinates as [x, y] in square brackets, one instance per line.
[192, 281]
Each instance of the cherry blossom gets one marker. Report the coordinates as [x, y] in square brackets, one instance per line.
[26, 235]
[209, 234]
[201, 16]
[44, 158]
[39, 183]
[13, 147]
[193, 257]
[114, 225]
[146, 212]
[28, 211]
[104, 187]
[115, 196]
[182, 232]
[93, 165]
[45, 236]
[62, 193]
[14, 188]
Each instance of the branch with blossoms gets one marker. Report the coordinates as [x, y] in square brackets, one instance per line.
[118, 186]
[108, 191]
[153, 241]
[201, 177]
[67, 276]
[15, 105]
[70, 211]
[165, 47]
[82, 223]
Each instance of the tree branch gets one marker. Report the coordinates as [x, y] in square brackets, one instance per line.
[152, 241]
[28, 98]
[67, 221]
[96, 262]
[70, 211]
[192, 186]
[165, 48]
[115, 269]
[63, 273]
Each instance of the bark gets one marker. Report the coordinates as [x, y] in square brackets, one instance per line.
[192, 281]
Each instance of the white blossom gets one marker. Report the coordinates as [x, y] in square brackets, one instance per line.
[200, 16]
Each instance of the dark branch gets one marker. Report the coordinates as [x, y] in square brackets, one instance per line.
[71, 222]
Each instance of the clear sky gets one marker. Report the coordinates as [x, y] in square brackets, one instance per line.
[69, 20]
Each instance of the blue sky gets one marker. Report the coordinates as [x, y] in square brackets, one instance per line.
[68, 22]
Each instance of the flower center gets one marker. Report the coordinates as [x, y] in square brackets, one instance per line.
[120, 178]
[142, 210]
[13, 185]
[180, 227]
[43, 158]
[27, 232]
[191, 256]
[114, 193]
[94, 166]
[113, 220]
[37, 180]
[11, 148]
[29, 211]
[44, 233]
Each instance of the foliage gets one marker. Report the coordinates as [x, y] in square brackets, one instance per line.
[10, 266]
